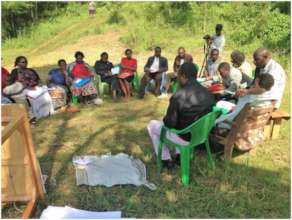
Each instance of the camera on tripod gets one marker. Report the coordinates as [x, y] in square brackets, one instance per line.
[208, 41]
[207, 49]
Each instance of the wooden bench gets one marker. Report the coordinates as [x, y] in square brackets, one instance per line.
[272, 128]
[249, 118]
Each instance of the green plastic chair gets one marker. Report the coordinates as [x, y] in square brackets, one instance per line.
[74, 100]
[136, 82]
[103, 88]
[174, 85]
[199, 131]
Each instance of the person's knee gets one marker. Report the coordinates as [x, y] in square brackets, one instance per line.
[154, 125]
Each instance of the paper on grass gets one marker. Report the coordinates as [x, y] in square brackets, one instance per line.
[55, 212]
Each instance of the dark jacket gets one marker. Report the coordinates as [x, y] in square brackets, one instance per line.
[102, 68]
[163, 64]
[187, 105]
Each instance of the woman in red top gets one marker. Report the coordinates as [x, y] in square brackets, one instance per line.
[80, 70]
[128, 69]
[4, 77]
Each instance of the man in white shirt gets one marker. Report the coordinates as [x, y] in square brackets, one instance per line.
[266, 65]
[212, 64]
[155, 67]
[179, 60]
[218, 38]
[238, 61]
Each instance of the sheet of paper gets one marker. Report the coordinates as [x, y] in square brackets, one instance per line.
[54, 212]
[115, 70]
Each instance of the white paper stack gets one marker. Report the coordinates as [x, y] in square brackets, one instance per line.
[55, 212]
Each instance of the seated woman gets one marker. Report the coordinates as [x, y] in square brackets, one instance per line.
[24, 84]
[59, 83]
[103, 68]
[4, 77]
[81, 74]
[186, 106]
[128, 69]
[4, 82]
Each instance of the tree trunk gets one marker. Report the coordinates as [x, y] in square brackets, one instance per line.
[204, 24]
[36, 10]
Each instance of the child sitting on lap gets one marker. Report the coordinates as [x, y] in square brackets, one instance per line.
[265, 82]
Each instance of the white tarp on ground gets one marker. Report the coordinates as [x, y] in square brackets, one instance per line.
[110, 170]
[55, 212]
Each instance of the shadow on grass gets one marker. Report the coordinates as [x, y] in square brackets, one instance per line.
[231, 191]
[235, 189]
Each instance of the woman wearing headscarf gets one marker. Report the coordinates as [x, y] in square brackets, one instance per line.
[24, 84]
[82, 75]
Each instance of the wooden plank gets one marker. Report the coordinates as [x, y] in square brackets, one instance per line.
[16, 198]
[30, 208]
[276, 128]
[5, 120]
[36, 173]
[268, 130]
[10, 128]
[20, 177]
[279, 113]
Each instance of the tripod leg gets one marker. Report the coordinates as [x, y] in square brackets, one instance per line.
[203, 66]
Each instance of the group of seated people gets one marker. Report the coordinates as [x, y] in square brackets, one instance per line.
[77, 81]
[193, 100]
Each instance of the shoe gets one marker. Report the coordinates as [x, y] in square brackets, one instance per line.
[140, 96]
[97, 101]
[72, 109]
[33, 121]
[168, 164]
[163, 96]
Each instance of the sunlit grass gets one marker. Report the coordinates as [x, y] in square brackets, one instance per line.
[252, 185]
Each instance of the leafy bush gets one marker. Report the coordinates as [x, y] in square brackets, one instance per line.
[277, 34]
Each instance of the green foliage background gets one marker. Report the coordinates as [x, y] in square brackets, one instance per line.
[247, 25]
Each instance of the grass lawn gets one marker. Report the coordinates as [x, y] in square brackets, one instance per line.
[251, 185]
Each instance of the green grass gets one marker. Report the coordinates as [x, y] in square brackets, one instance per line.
[252, 185]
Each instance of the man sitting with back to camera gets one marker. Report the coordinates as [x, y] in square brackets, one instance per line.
[187, 105]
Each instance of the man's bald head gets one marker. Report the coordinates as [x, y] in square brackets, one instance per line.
[261, 57]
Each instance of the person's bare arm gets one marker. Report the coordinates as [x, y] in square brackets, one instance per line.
[206, 74]
[250, 91]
